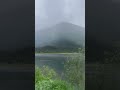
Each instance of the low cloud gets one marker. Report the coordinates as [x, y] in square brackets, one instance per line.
[50, 12]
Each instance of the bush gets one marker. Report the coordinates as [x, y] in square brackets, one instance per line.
[75, 70]
[46, 79]
[53, 85]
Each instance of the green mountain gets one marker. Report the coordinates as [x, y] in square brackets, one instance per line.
[64, 36]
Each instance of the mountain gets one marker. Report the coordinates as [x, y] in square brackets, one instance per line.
[61, 35]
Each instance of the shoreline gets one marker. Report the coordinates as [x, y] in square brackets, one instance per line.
[57, 53]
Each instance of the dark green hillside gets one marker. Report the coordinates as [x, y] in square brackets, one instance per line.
[60, 46]
[51, 49]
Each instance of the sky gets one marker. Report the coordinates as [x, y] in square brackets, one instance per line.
[51, 12]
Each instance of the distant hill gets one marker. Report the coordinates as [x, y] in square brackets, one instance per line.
[62, 35]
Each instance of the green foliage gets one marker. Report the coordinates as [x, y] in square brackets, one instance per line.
[45, 79]
[53, 85]
[44, 73]
[75, 69]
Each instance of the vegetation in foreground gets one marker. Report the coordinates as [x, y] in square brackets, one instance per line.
[74, 75]
[75, 70]
[46, 79]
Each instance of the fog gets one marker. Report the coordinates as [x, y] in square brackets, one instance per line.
[50, 12]
[61, 33]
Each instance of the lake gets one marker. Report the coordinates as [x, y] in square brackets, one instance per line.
[55, 61]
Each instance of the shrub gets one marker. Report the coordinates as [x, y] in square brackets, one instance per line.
[75, 69]
[53, 85]
[46, 79]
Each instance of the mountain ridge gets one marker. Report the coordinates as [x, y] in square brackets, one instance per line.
[61, 31]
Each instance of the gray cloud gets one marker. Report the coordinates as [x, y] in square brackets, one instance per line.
[50, 12]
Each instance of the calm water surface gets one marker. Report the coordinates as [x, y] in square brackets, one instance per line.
[55, 61]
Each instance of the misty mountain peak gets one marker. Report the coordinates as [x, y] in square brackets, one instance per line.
[59, 33]
[64, 23]
[67, 25]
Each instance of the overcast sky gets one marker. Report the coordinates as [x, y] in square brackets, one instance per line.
[50, 12]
